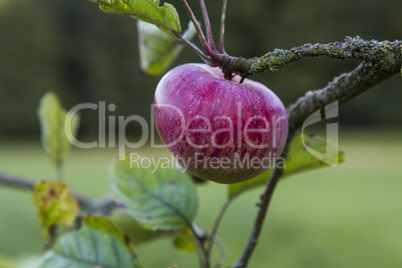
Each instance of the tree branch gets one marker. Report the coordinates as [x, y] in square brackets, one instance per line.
[16, 182]
[103, 207]
[259, 221]
[343, 88]
[384, 53]
[381, 61]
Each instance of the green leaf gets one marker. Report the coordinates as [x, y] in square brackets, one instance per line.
[299, 159]
[53, 130]
[158, 50]
[184, 243]
[115, 6]
[132, 229]
[54, 203]
[158, 198]
[97, 244]
[145, 10]
[171, 16]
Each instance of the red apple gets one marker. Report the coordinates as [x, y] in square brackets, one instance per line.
[219, 130]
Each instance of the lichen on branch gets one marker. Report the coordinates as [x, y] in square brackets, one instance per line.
[384, 53]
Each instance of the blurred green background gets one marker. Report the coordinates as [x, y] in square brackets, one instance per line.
[349, 216]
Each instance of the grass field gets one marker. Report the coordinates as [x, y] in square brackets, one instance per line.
[348, 216]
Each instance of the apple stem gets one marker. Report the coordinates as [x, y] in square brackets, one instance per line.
[207, 25]
[222, 33]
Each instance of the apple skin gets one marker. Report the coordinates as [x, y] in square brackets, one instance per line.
[215, 127]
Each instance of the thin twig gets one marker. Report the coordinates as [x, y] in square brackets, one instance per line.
[201, 237]
[17, 182]
[103, 207]
[166, 27]
[201, 35]
[207, 25]
[223, 22]
[222, 249]
[217, 223]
